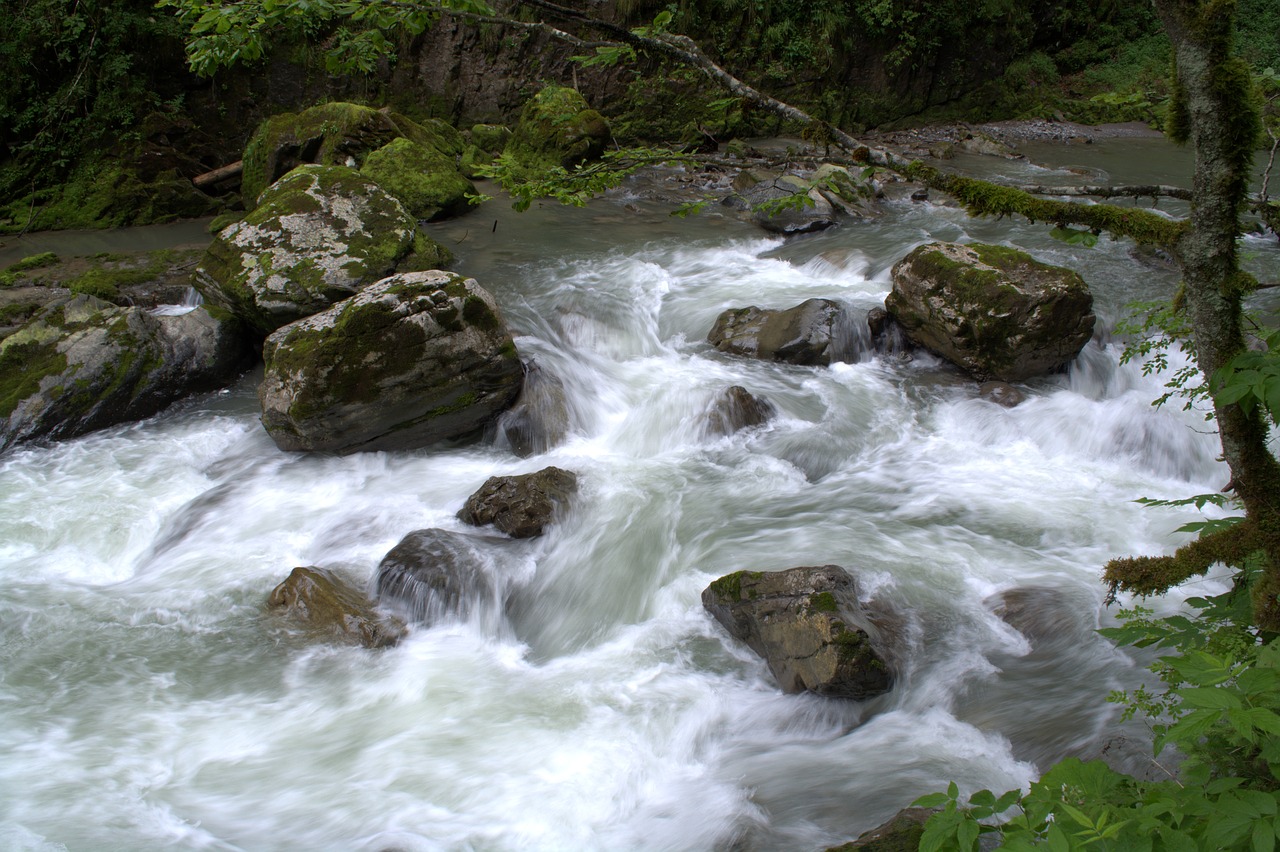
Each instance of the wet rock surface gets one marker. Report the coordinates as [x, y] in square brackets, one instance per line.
[521, 506]
[323, 603]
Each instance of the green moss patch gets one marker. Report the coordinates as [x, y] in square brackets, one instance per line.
[22, 367]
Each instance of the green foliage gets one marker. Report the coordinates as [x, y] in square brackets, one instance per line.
[575, 186]
[78, 76]
[1251, 380]
[1154, 330]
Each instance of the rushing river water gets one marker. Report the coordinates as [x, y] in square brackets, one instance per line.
[148, 701]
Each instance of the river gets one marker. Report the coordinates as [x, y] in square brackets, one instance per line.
[148, 701]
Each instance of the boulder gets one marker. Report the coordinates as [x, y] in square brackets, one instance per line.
[808, 626]
[735, 408]
[322, 603]
[83, 364]
[415, 359]
[521, 506]
[993, 311]
[1001, 393]
[781, 203]
[539, 419]
[333, 134]
[433, 574]
[811, 333]
[426, 182]
[319, 235]
[851, 194]
[557, 128]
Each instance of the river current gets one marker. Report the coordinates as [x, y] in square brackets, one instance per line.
[149, 701]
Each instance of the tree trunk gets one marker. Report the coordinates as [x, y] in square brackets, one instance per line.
[1212, 97]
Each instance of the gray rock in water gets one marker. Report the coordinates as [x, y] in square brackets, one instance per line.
[521, 506]
[433, 574]
[808, 626]
[539, 419]
[321, 602]
[901, 833]
[1001, 393]
[83, 364]
[412, 360]
[993, 311]
[318, 235]
[811, 333]
[783, 204]
[735, 408]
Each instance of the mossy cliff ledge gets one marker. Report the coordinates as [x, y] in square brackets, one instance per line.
[992, 311]
[414, 359]
[809, 627]
[83, 364]
[318, 236]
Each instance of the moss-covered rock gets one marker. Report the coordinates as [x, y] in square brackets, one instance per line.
[781, 203]
[557, 128]
[323, 603]
[82, 364]
[414, 359]
[425, 181]
[808, 626]
[902, 833]
[815, 332]
[993, 311]
[490, 138]
[319, 235]
[521, 506]
[334, 134]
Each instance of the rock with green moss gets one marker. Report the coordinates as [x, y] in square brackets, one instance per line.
[993, 311]
[490, 138]
[852, 194]
[809, 627]
[557, 128]
[521, 506]
[325, 604]
[333, 134]
[319, 235]
[902, 833]
[425, 181]
[815, 332]
[83, 364]
[414, 359]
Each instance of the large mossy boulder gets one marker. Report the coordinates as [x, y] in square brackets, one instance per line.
[322, 603]
[807, 624]
[434, 574]
[319, 235]
[995, 312]
[414, 359]
[521, 506]
[557, 128]
[333, 134]
[815, 332]
[425, 181]
[83, 364]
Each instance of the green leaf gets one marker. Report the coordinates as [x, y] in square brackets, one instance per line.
[1264, 836]
[1210, 698]
[932, 800]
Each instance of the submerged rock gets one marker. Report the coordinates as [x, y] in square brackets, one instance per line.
[433, 574]
[521, 506]
[735, 408]
[812, 333]
[83, 364]
[1001, 393]
[318, 600]
[539, 419]
[993, 311]
[412, 360]
[808, 626]
[319, 235]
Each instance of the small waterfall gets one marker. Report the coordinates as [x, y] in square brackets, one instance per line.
[191, 299]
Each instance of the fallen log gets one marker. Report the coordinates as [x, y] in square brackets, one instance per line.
[218, 175]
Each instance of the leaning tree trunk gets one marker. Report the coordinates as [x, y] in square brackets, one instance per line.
[1214, 110]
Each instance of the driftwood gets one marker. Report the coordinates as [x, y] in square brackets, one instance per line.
[218, 175]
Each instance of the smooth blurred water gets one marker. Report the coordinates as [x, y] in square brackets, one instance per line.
[149, 701]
